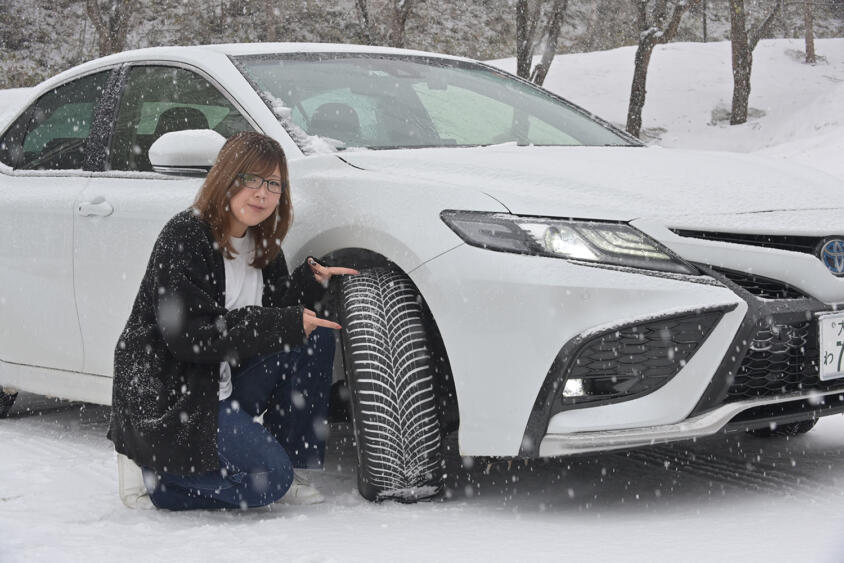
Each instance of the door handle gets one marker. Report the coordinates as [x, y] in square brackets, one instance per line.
[97, 206]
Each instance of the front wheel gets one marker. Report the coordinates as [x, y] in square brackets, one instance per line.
[389, 368]
[7, 399]
[785, 430]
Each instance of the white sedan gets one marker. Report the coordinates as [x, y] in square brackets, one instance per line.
[533, 278]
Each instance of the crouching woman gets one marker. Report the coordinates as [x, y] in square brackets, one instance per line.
[219, 334]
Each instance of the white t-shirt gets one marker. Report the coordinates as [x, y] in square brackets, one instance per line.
[244, 286]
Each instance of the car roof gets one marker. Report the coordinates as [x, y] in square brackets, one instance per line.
[264, 48]
[206, 53]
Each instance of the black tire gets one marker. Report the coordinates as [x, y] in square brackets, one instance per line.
[6, 402]
[785, 430]
[390, 372]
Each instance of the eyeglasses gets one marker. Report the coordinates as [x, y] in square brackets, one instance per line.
[254, 182]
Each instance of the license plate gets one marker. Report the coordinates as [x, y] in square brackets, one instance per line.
[832, 346]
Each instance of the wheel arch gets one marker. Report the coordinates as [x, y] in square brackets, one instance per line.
[364, 259]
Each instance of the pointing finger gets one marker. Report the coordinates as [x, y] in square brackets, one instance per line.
[326, 323]
[336, 271]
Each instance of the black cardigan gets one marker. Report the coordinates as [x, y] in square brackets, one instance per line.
[167, 359]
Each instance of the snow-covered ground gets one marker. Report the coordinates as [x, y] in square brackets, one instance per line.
[726, 498]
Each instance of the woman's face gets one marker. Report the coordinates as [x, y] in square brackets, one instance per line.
[249, 207]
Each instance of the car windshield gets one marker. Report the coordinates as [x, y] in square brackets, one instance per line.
[338, 101]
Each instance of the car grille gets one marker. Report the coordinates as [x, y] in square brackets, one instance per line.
[807, 245]
[781, 359]
[764, 288]
[638, 359]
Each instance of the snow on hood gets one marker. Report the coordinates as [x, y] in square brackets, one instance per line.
[619, 183]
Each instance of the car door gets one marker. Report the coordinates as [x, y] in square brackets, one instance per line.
[44, 151]
[124, 206]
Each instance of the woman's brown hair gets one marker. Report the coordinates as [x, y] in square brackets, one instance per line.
[246, 151]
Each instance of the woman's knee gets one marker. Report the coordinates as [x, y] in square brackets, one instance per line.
[271, 484]
[276, 458]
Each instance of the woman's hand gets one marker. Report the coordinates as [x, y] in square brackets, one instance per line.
[310, 321]
[323, 273]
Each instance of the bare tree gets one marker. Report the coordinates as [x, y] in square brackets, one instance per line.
[397, 13]
[111, 22]
[400, 11]
[270, 20]
[526, 22]
[369, 34]
[743, 43]
[527, 25]
[809, 20]
[655, 27]
[558, 12]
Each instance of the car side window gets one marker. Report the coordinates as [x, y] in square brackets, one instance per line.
[158, 100]
[51, 134]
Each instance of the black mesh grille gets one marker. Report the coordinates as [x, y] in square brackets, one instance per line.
[782, 358]
[759, 286]
[793, 243]
[638, 359]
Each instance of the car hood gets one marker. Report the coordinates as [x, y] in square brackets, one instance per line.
[622, 183]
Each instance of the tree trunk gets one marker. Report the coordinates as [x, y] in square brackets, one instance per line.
[808, 18]
[524, 44]
[401, 10]
[221, 21]
[363, 11]
[270, 20]
[541, 71]
[742, 62]
[653, 29]
[743, 43]
[82, 34]
[638, 89]
[111, 23]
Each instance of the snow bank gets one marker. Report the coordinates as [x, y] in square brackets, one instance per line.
[800, 107]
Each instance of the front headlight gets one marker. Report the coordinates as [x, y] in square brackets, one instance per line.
[588, 241]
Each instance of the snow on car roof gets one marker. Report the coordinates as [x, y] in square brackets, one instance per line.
[264, 48]
[200, 54]
[268, 48]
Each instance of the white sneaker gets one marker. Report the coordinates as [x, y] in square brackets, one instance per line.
[130, 484]
[301, 491]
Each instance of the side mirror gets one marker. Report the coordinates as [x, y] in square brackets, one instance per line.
[190, 152]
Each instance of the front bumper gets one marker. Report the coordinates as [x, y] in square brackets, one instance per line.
[714, 421]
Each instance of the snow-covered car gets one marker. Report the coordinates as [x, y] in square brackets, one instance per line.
[532, 278]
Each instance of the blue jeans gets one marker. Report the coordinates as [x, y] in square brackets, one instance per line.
[292, 390]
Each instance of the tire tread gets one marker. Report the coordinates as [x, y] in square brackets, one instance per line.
[391, 377]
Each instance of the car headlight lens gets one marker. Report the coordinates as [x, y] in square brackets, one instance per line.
[588, 241]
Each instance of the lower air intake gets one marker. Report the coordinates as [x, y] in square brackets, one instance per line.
[635, 360]
[781, 359]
